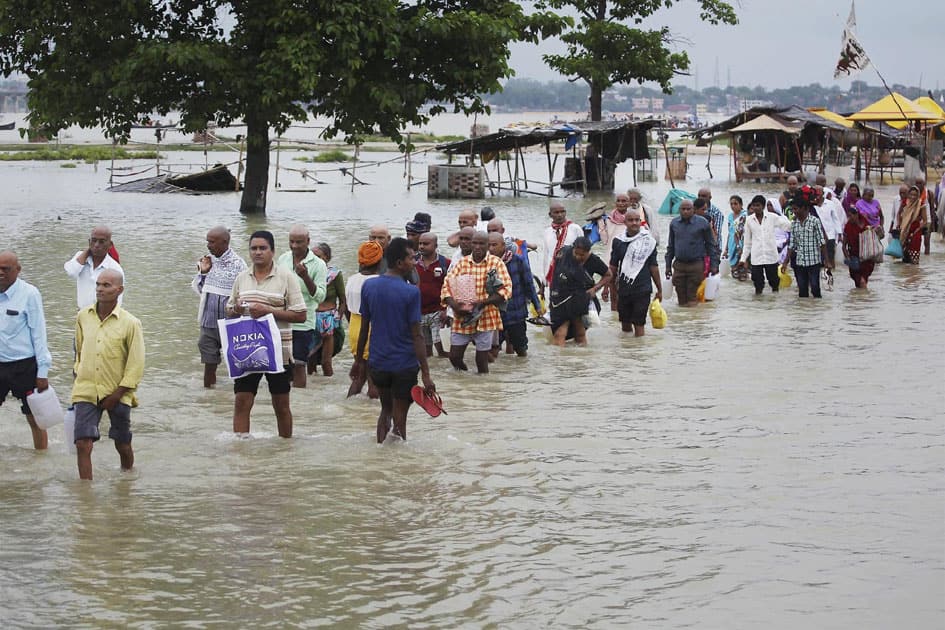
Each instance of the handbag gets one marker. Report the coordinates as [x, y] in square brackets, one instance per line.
[251, 346]
[870, 247]
[894, 248]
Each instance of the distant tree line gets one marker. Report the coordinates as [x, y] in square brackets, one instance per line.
[529, 94]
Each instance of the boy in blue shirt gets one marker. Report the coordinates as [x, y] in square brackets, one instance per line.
[390, 314]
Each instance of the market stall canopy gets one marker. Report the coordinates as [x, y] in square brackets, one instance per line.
[767, 123]
[895, 107]
[831, 116]
[926, 103]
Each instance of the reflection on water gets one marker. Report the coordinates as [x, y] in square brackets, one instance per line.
[764, 459]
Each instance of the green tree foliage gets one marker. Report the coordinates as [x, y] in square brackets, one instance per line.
[604, 51]
[370, 65]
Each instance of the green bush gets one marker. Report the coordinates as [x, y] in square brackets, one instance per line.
[87, 154]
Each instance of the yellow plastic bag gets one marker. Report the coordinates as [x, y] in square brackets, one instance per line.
[700, 292]
[784, 277]
[657, 314]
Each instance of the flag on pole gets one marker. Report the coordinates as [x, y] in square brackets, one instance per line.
[853, 57]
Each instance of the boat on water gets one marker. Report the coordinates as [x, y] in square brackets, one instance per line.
[153, 124]
[215, 179]
[10, 126]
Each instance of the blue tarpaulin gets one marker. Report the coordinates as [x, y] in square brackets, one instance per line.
[670, 204]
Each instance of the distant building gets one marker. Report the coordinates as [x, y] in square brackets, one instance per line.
[656, 104]
[750, 103]
[682, 108]
[640, 104]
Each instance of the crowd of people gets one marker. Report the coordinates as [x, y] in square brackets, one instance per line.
[406, 292]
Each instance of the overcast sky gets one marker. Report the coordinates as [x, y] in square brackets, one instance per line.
[780, 43]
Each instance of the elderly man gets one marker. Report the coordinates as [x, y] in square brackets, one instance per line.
[311, 273]
[788, 194]
[109, 365]
[467, 219]
[432, 268]
[839, 185]
[213, 282]
[634, 264]
[561, 232]
[476, 316]
[690, 241]
[266, 289]
[24, 355]
[514, 330]
[522, 247]
[823, 210]
[87, 264]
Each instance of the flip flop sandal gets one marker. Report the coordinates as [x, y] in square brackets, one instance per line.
[429, 402]
[539, 321]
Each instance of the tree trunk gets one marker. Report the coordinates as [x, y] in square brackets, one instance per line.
[596, 97]
[256, 182]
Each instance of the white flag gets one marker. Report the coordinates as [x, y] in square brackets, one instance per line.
[853, 57]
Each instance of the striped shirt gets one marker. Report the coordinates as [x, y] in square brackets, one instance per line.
[278, 290]
[806, 238]
[491, 318]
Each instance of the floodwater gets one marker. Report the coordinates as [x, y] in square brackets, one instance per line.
[761, 462]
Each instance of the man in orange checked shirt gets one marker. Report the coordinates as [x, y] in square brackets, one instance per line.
[477, 316]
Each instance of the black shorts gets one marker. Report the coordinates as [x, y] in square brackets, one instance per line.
[18, 378]
[303, 342]
[632, 308]
[400, 383]
[516, 334]
[249, 384]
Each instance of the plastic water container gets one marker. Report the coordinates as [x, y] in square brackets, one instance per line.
[45, 408]
[68, 429]
[712, 287]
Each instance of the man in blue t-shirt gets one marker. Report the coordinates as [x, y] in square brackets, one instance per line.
[390, 314]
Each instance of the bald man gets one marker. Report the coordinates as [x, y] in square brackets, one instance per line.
[467, 218]
[560, 233]
[312, 275]
[24, 355]
[213, 282]
[109, 365]
[87, 264]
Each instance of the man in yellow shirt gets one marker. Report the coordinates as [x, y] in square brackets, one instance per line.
[109, 364]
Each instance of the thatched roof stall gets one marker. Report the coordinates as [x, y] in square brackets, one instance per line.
[597, 147]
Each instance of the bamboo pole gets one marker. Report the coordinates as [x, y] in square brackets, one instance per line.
[524, 170]
[111, 171]
[515, 183]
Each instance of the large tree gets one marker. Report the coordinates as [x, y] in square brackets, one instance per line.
[604, 51]
[371, 65]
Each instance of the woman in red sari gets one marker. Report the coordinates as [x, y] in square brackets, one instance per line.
[911, 223]
[860, 270]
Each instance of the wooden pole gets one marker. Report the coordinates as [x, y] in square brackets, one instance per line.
[111, 172]
[278, 146]
[634, 147]
[669, 168]
[408, 161]
[354, 165]
[524, 170]
[551, 173]
[515, 183]
[239, 168]
[583, 160]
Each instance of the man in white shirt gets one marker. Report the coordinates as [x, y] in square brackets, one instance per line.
[761, 245]
[561, 232]
[86, 266]
[828, 219]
